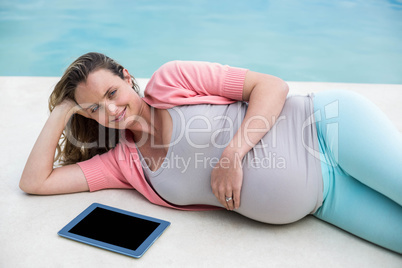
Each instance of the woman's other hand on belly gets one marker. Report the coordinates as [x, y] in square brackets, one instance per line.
[227, 179]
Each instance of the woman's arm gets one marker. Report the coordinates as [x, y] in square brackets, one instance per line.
[39, 176]
[266, 95]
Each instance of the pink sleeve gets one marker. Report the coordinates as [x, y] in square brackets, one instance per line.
[178, 80]
[102, 172]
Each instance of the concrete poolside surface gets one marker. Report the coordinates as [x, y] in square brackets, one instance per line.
[29, 224]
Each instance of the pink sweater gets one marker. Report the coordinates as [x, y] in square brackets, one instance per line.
[174, 83]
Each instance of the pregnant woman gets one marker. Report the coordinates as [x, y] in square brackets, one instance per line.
[206, 136]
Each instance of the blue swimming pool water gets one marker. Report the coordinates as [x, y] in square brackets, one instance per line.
[298, 40]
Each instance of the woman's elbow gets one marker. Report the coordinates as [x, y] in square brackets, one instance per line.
[277, 84]
[24, 187]
[284, 87]
[27, 187]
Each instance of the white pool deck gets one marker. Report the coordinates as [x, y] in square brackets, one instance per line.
[29, 224]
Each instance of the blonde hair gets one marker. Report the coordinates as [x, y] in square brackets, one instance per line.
[84, 138]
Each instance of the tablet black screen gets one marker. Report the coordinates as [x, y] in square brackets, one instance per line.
[114, 228]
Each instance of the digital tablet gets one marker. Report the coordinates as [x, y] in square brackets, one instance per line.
[114, 229]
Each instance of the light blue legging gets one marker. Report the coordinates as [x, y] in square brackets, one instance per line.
[361, 161]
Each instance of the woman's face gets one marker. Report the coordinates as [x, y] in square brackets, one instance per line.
[108, 99]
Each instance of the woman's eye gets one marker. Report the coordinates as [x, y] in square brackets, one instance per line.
[94, 109]
[112, 93]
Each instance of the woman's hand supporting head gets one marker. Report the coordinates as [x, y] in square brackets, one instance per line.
[39, 176]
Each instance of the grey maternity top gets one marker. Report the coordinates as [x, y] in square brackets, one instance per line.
[282, 179]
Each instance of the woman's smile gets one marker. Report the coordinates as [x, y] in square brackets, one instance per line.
[120, 116]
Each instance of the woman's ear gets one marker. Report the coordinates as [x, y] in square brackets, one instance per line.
[127, 76]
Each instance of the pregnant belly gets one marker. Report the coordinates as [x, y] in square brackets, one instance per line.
[275, 189]
[277, 196]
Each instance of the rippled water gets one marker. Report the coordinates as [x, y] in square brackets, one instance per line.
[335, 41]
